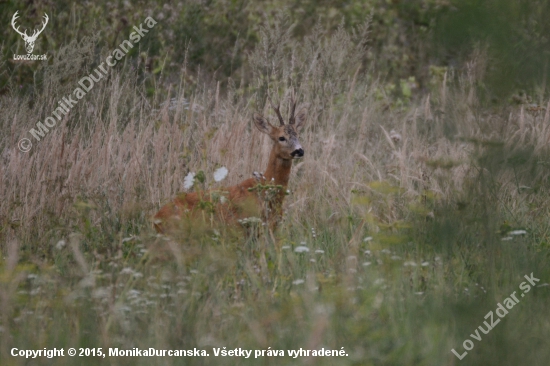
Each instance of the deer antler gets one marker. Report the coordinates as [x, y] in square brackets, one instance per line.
[292, 108]
[277, 111]
[24, 35]
[37, 32]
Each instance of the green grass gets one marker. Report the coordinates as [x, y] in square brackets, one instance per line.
[407, 231]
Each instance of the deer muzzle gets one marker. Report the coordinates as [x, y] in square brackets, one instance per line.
[298, 153]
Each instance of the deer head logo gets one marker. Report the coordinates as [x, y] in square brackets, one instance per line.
[29, 40]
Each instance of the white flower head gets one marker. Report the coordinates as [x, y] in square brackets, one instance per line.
[220, 174]
[189, 180]
[301, 249]
[127, 270]
[60, 244]
[396, 137]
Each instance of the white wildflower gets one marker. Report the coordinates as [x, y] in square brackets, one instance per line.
[123, 308]
[60, 245]
[100, 293]
[517, 232]
[298, 282]
[133, 294]
[127, 270]
[189, 180]
[301, 249]
[368, 238]
[396, 137]
[250, 220]
[220, 174]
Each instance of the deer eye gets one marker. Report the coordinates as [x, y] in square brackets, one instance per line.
[282, 138]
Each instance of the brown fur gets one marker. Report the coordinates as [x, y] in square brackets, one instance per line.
[240, 205]
[242, 199]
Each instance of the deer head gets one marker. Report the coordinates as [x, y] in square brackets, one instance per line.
[285, 137]
[29, 40]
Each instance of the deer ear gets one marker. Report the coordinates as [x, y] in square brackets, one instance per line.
[263, 124]
[300, 119]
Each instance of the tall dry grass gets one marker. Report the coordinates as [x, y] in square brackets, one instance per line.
[398, 205]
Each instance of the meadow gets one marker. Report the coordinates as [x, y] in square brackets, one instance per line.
[409, 219]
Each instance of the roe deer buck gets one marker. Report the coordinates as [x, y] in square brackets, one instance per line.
[243, 200]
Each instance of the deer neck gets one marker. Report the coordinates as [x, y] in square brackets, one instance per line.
[278, 170]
